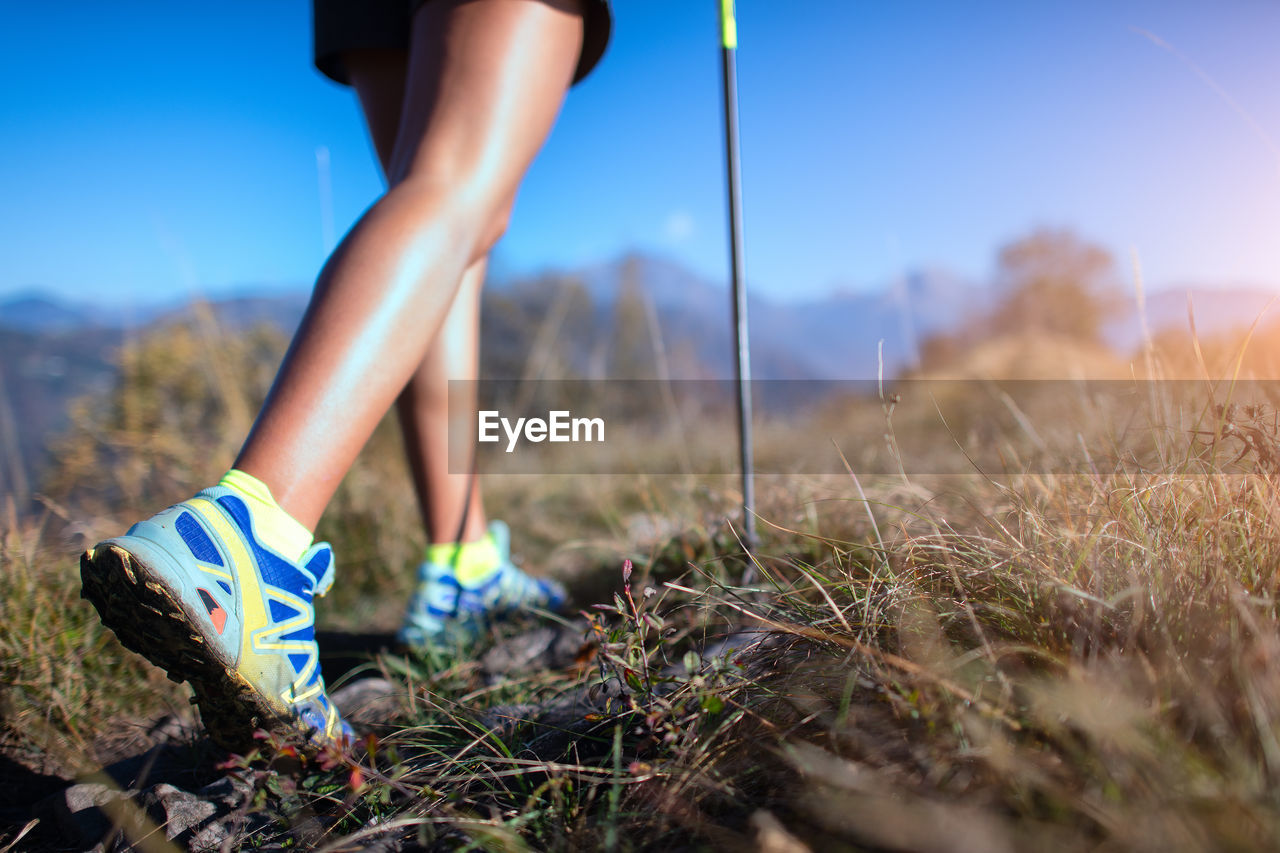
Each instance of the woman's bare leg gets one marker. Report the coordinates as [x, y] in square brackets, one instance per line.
[446, 500]
[452, 509]
[486, 79]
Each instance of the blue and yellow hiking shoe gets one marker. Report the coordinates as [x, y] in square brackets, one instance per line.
[456, 600]
[194, 591]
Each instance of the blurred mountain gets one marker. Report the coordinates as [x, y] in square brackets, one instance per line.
[41, 372]
[850, 334]
[53, 351]
[282, 310]
[835, 337]
[36, 312]
[617, 319]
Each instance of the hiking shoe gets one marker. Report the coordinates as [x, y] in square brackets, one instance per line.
[443, 609]
[193, 591]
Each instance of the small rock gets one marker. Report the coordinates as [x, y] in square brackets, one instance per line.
[519, 653]
[214, 837]
[230, 797]
[171, 727]
[738, 643]
[506, 720]
[548, 729]
[176, 811]
[547, 647]
[236, 831]
[175, 756]
[574, 721]
[77, 812]
[602, 696]
[229, 792]
[227, 832]
[772, 836]
[367, 701]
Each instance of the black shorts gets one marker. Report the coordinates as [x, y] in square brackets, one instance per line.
[343, 25]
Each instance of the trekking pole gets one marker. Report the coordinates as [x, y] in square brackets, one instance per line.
[742, 354]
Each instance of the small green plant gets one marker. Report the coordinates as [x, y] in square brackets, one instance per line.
[670, 696]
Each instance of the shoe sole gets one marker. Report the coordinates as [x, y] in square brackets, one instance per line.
[150, 619]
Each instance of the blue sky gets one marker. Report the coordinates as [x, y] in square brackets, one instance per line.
[154, 149]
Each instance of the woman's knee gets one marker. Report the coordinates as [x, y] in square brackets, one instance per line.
[470, 214]
[497, 226]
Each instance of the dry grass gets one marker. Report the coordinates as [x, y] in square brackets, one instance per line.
[1034, 661]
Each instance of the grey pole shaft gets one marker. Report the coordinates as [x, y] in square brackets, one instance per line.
[741, 337]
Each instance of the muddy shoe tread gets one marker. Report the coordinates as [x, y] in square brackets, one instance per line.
[149, 619]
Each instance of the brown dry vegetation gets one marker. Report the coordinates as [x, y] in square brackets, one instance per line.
[996, 660]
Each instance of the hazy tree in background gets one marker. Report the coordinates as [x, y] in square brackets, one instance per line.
[1053, 281]
[632, 352]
